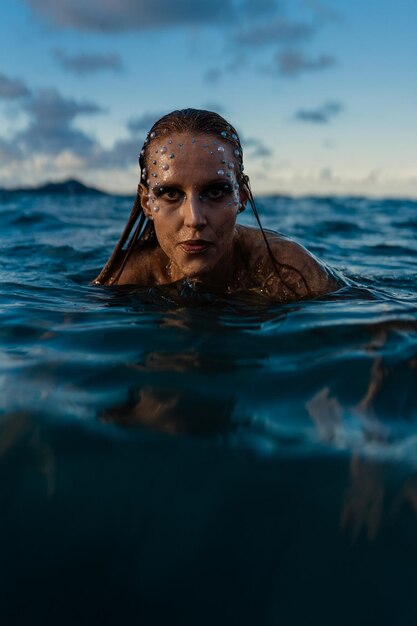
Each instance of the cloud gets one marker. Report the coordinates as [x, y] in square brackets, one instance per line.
[320, 115]
[129, 15]
[84, 63]
[12, 88]
[293, 62]
[50, 130]
[278, 31]
[124, 153]
[255, 147]
[212, 75]
[143, 123]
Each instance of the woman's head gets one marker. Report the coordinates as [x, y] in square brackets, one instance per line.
[191, 171]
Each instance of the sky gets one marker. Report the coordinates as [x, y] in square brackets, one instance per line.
[323, 94]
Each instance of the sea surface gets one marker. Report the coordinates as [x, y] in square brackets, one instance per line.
[172, 456]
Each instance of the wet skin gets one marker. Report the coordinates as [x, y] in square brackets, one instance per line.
[193, 198]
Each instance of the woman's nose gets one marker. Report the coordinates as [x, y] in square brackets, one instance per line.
[194, 212]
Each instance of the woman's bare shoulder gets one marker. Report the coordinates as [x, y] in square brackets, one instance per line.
[142, 268]
[300, 272]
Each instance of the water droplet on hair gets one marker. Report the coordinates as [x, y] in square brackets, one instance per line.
[231, 166]
[220, 149]
[223, 133]
[223, 161]
[215, 143]
[211, 152]
[229, 203]
[171, 156]
[152, 135]
[165, 166]
[163, 149]
[220, 172]
[205, 145]
[234, 136]
[228, 175]
[142, 152]
[236, 152]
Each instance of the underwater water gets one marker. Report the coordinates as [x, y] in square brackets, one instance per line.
[176, 456]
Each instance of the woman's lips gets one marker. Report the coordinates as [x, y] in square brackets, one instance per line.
[195, 246]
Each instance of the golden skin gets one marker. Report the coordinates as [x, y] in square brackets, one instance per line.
[193, 199]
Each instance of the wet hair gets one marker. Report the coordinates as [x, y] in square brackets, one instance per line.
[196, 122]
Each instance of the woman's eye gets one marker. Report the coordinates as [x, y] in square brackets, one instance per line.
[217, 193]
[170, 195]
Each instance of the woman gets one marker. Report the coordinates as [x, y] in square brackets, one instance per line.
[184, 219]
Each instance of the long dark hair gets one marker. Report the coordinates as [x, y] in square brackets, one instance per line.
[199, 122]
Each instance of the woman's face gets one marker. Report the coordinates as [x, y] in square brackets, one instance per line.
[193, 198]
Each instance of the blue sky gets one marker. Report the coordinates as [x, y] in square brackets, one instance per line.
[323, 94]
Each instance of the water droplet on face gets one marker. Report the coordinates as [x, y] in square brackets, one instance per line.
[163, 149]
[154, 175]
[211, 152]
[169, 140]
[156, 208]
[215, 143]
[193, 140]
[154, 161]
[180, 145]
[220, 149]
[152, 135]
[165, 166]
[223, 161]
[236, 152]
[220, 172]
[231, 166]
[205, 145]
[228, 175]
[229, 203]
[171, 156]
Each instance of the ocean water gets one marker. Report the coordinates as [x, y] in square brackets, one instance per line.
[177, 456]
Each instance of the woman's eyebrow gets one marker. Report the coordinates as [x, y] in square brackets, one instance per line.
[208, 183]
[216, 181]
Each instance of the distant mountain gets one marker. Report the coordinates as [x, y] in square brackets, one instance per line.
[70, 187]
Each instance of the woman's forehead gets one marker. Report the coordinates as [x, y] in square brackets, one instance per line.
[185, 152]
